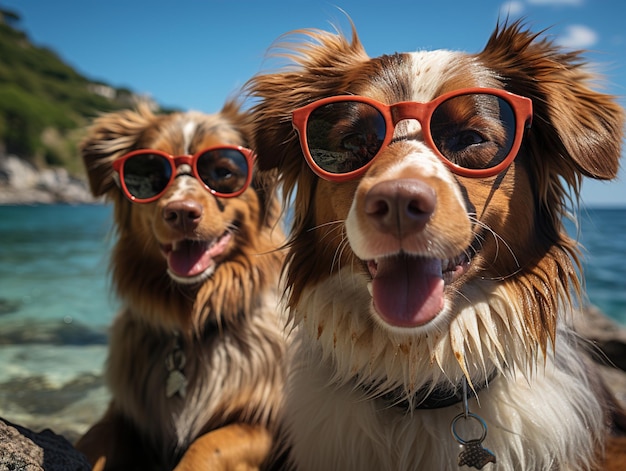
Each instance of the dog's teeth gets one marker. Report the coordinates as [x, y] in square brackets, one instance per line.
[370, 289]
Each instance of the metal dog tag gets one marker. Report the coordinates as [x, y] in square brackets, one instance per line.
[176, 384]
[475, 455]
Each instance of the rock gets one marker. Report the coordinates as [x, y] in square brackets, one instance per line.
[607, 346]
[605, 334]
[22, 449]
[22, 183]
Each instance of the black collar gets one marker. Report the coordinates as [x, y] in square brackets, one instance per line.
[432, 398]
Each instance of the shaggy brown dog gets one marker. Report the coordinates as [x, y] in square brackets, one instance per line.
[429, 275]
[195, 356]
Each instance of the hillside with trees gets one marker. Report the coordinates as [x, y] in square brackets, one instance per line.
[44, 103]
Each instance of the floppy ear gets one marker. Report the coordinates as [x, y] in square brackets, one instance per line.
[240, 120]
[579, 128]
[111, 136]
[320, 64]
[264, 183]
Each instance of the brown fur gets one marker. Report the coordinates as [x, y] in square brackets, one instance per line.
[508, 310]
[228, 324]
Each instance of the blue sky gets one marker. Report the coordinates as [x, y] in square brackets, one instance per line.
[193, 54]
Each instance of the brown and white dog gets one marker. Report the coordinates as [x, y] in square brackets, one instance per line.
[427, 255]
[195, 363]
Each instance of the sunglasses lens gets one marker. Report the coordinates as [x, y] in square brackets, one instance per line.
[223, 170]
[146, 175]
[344, 136]
[474, 131]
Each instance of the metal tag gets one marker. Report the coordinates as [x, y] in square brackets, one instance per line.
[176, 384]
[475, 455]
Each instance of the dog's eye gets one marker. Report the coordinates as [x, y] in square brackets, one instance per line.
[470, 149]
[354, 142]
[457, 142]
[221, 173]
[464, 139]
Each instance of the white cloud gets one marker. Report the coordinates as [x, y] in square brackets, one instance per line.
[512, 9]
[577, 37]
[557, 2]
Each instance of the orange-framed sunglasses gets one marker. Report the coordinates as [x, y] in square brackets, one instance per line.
[145, 174]
[476, 132]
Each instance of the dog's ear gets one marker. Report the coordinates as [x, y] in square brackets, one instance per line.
[110, 136]
[319, 67]
[574, 125]
[240, 120]
[264, 183]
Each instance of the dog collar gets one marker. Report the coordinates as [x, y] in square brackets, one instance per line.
[433, 398]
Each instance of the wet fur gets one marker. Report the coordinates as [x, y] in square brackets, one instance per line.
[228, 324]
[506, 320]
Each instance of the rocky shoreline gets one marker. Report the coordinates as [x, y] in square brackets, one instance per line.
[21, 183]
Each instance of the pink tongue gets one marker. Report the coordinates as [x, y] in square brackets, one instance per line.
[189, 258]
[193, 257]
[408, 291]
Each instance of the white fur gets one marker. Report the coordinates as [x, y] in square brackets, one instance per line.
[537, 417]
[431, 69]
[183, 184]
[189, 130]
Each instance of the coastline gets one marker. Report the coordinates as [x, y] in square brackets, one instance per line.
[21, 183]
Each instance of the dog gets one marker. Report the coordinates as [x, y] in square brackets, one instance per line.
[195, 363]
[429, 278]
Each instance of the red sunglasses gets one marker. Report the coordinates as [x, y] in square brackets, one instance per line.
[476, 132]
[145, 174]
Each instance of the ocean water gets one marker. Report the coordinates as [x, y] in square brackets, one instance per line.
[56, 304]
[602, 234]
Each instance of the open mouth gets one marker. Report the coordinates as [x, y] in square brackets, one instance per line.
[408, 290]
[190, 260]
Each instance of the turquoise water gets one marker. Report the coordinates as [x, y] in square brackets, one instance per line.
[55, 306]
[53, 264]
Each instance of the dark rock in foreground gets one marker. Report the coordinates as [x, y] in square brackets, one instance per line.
[22, 449]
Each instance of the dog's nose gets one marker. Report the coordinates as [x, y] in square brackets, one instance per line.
[183, 216]
[400, 206]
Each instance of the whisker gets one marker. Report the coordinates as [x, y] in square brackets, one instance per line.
[341, 247]
[498, 241]
[338, 224]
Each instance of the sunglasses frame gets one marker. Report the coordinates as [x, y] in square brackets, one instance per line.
[176, 161]
[393, 114]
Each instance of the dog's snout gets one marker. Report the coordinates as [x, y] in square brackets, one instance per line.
[400, 206]
[183, 216]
